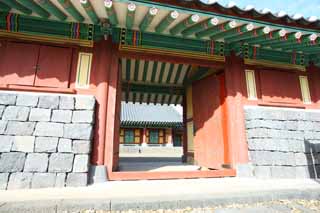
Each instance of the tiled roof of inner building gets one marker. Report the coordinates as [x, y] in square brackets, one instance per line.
[251, 11]
[149, 115]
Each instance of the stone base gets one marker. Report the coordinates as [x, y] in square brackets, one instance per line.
[97, 174]
[190, 158]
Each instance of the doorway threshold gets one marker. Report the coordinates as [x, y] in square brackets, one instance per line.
[166, 175]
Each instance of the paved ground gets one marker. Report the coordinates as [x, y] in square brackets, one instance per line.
[196, 195]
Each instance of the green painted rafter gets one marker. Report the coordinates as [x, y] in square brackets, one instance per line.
[112, 15]
[290, 37]
[16, 5]
[87, 6]
[217, 29]
[35, 8]
[70, 8]
[297, 42]
[272, 36]
[256, 33]
[238, 30]
[166, 21]
[4, 7]
[152, 12]
[131, 11]
[50, 7]
[204, 25]
[193, 19]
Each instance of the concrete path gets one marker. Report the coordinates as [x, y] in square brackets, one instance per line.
[167, 194]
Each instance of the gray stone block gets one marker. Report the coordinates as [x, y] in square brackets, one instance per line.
[78, 131]
[1, 110]
[30, 100]
[16, 113]
[81, 146]
[77, 179]
[20, 181]
[46, 144]
[60, 180]
[7, 99]
[66, 102]
[296, 146]
[49, 129]
[303, 172]
[65, 145]
[61, 162]
[38, 114]
[23, 144]
[262, 171]
[43, 180]
[303, 159]
[83, 116]
[4, 177]
[3, 125]
[283, 172]
[61, 116]
[6, 143]
[244, 170]
[36, 162]
[312, 116]
[261, 158]
[49, 102]
[20, 128]
[12, 162]
[81, 163]
[85, 102]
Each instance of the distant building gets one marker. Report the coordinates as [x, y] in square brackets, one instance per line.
[150, 125]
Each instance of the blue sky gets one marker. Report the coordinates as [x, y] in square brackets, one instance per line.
[305, 7]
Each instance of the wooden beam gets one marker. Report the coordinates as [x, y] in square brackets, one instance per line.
[87, 6]
[16, 5]
[131, 11]
[204, 25]
[70, 8]
[152, 12]
[217, 29]
[193, 19]
[255, 33]
[173, 15]
[50, 7]
[273, 35]
[4, 7]
[157, 89]
[238, 30]
[34, 7]
[290, 37]
[112, 15]
[297, 42]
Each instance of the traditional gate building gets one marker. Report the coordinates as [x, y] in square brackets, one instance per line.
[247, 80]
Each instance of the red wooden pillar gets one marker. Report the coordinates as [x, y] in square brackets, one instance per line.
[314, 79]
[234, 116]
[99, 76]
[111, 145]
[169, 137]
[144, 137]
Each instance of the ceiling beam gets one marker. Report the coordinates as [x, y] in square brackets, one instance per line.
[217, 29]
[158, 89]
[290, 37]
[16, 5]
[238, 31]
[166, 21]
[193, 19]
[131, 11]
[112, 15]
[273, 35]
[34, 7]
[204, 25]
[87, 6]
[50, 7]
[70, 8]
[152, 12]
[255, 33]
[4, 7]
[297, 42]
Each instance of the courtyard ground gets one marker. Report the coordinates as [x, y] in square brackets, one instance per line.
[224, 195]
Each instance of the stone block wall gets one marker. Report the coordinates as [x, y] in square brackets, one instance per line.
[283, 142]
[45, 139]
